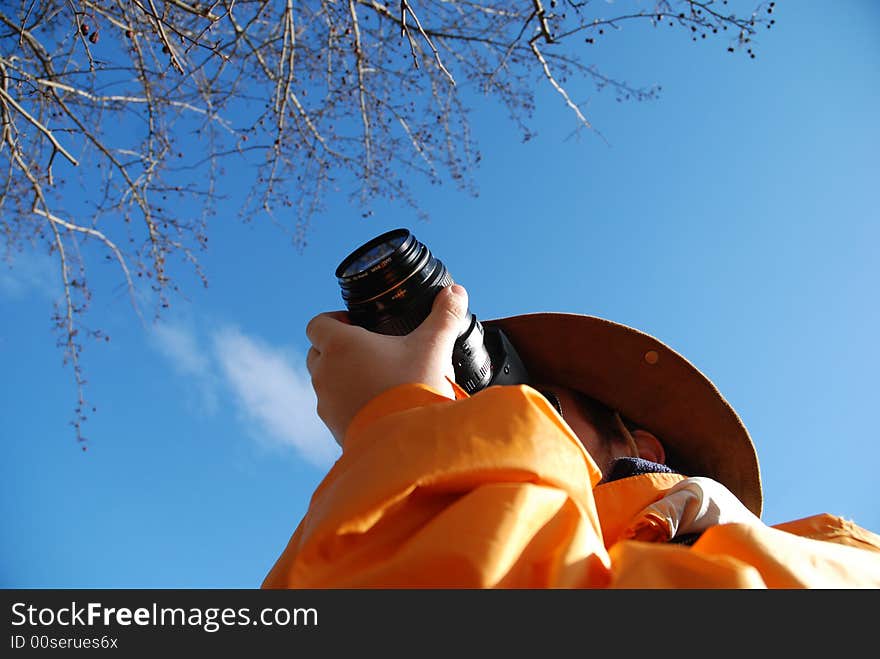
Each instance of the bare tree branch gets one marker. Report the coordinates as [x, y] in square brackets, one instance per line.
[148, 102]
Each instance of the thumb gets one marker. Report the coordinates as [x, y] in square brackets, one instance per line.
[447, 318]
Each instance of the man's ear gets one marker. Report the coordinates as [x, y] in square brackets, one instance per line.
[649, 446]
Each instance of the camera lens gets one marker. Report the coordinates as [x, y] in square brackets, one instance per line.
[389, 284]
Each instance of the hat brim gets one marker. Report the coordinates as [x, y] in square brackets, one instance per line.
[647, 382]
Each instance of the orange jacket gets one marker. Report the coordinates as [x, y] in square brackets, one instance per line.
[495, 491]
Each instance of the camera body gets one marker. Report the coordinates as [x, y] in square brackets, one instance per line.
[388, 286]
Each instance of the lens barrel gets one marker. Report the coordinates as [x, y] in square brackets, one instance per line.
[389, 284]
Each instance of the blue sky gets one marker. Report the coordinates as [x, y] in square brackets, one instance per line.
[735, 218]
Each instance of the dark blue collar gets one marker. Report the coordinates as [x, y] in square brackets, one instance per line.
[626, 467]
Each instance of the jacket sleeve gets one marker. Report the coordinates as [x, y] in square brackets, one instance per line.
[491, 490]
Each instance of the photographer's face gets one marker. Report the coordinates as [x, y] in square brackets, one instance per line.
[603, 450]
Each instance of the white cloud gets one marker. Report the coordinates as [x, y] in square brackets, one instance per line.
[180, 346]
[274, 390]
[28, 272]
[178, 343]
[271, 387]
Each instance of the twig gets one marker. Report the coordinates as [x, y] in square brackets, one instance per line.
[556, 85]
[406, 8]
[175, 61]
[359, 57]
[48, 133]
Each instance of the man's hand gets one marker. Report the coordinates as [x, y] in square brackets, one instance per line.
[350, 365]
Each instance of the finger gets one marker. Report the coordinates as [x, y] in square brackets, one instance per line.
[322, 325]
[341, 316]
[448, 315]
[311, 358]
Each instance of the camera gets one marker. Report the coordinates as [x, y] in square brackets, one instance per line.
[388, 286]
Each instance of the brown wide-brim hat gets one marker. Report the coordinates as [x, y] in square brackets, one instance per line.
[648, 383]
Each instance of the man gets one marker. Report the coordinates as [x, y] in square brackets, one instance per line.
[622, 467]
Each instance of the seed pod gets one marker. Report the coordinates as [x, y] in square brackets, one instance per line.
[84, 28]
[93, 37]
